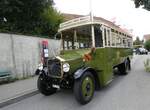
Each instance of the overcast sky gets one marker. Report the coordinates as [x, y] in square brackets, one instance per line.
[122, 11]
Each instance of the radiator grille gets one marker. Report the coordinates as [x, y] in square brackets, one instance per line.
[54, 68]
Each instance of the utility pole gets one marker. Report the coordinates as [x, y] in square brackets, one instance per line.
[92, 26]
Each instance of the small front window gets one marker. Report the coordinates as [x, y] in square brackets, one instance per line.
[79, 38]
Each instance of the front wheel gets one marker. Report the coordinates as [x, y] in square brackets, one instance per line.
[45, 86]
[84, 88]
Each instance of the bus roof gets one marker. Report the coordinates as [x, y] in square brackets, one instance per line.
[80, 20]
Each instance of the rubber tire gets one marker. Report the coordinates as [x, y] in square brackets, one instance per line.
[78, 88]
[127, 67]
[42, 86]
[37, 72]
[124, 68]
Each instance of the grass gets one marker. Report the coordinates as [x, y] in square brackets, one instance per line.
[147, 65]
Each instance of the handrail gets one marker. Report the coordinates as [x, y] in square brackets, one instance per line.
[75, 22]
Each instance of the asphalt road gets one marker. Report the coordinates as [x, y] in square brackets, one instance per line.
[131, 92]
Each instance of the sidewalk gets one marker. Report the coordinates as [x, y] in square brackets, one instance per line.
[18, 90]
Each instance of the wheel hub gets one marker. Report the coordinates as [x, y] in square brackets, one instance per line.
[87, 87]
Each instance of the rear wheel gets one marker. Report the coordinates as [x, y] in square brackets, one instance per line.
[124, 68]
[45, 86]
[84, 88]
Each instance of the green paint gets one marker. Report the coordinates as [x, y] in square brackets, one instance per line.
[103, 60]
[87, 87]
[73, 54]
[74, 58]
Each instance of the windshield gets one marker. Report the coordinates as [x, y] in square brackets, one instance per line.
[76, 38]
[80, 37]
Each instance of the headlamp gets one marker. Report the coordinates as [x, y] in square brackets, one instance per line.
[66, 67]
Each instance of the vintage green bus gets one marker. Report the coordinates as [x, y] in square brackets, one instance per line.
[91, 50]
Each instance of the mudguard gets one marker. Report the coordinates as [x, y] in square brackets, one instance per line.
[37, 72]
[81, 71]
[44, 71]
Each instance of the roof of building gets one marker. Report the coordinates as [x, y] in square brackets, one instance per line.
[147, 37]
[109, 23]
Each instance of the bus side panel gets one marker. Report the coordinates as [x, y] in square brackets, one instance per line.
[100, 63]
[120, 55]
[113, 57]
[104, 59]
[109, 55]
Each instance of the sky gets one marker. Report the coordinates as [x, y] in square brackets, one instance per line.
[123, 12]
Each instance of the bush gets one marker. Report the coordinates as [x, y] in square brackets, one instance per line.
[147, 65]
[147, 45]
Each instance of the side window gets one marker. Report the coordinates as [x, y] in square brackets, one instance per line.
[124, 42]
[81, 45]
[118, 40]
[65, 45]
[121, 36]
[98, 36]
[105, 37]
[129, 42]
[69, 45]
[109, 38]
[113, 39]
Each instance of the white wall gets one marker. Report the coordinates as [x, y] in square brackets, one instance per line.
[21, 54]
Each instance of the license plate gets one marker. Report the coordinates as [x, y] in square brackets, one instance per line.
[56, 86]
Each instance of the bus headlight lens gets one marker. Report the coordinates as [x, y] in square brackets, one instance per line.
[66, 67]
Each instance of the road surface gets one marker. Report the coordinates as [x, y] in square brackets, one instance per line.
[131, 92]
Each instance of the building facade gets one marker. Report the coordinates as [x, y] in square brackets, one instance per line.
[146, 37]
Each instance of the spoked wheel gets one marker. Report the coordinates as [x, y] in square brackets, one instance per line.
[45, 86]
[84, 88]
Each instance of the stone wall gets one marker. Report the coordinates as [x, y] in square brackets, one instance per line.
[21, 54]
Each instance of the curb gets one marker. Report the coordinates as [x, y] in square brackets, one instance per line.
[18, 98]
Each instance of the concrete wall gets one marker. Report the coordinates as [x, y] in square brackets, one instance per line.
[21, 54]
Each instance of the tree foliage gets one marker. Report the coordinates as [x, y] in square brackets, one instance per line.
[147, 45]
[137, 41]
[35, 17]
[144, 3]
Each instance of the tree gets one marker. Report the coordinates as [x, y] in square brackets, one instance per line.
[144, 3]
[51, 20]
[137, 41]
[147, 45]
[26, 17]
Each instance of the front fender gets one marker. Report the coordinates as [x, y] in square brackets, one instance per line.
[43, 71]
[37, 72]
[78, 74]
[81, 71]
